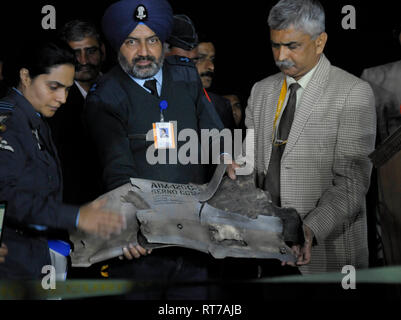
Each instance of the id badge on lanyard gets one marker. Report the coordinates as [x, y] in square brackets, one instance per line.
[163, 132]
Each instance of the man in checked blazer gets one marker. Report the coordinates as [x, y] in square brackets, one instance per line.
[324, 170]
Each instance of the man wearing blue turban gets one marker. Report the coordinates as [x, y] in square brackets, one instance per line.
[142, 90]
[121, 18]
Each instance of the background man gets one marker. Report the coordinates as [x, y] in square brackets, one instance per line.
[83, 37]
[79, 164]
[315, 161]
[236, 109]
[205, 62]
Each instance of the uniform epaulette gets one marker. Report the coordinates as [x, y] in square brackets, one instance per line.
[6, 106]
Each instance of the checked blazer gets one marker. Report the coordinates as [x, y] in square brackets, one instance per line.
[325, 169]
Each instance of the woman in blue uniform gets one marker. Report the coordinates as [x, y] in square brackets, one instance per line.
[30, 174]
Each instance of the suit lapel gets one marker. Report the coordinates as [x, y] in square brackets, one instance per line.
[311, 95]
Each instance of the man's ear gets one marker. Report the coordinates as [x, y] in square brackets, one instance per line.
[25, 78]
[321, 42]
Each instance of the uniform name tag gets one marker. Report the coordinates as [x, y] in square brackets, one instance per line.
[163, 134]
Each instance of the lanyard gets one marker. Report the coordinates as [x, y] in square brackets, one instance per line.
[163, 106]
[280, 104]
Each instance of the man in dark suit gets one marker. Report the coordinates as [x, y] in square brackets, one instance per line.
[79, 165]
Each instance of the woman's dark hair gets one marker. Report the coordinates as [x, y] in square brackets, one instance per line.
[37, 58]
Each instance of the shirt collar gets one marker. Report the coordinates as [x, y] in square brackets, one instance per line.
[82, 90]
[158, 77]
[303, 82]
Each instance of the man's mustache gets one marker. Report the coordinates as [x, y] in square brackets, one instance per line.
[285, 64]
[207, 74]
[144, 58]
[87, 66]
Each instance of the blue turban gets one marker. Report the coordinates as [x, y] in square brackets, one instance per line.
[122, 17]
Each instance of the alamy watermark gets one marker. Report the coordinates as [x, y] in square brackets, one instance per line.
[212, 145]
[49, 280]
[49, 20]
[347, 22]
[349, 280]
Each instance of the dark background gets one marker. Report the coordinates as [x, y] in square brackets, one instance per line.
[238, 29]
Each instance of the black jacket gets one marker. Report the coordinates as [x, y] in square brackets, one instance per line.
[31, 183]
[119, 113]
[79, 163]
[224, 110]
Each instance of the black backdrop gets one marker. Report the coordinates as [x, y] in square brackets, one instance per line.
[238, 29]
